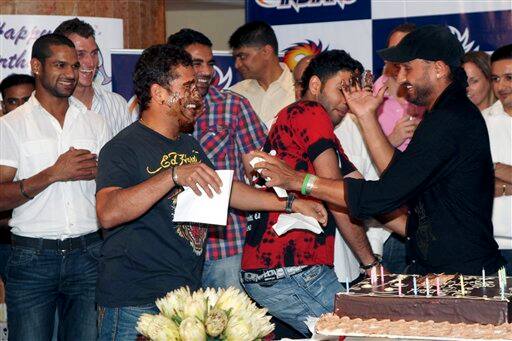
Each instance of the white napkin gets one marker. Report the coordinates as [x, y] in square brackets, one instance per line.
[203, 209]
[296, 221]
[281, 192]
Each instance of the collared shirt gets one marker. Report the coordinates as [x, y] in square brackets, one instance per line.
[228, 129]
[113, 108]
[32, 140]
[445, 176]
[267, 103]
[392, 110]
[499, 125]
[346, 264]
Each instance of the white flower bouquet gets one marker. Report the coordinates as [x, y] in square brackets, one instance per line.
[206, 315]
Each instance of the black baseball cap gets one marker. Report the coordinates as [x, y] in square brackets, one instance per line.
[429, 42]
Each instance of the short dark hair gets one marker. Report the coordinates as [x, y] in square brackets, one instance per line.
[404, 28]
[255, 33]
[186, 37]
[15, 79]
[326, 64]
[504, 52]
[41, 48]
[156, 65]
[75, 26]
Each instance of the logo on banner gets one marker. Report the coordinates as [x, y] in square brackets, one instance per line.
[297, 51]
[297, 5]
[222, 80]
[464, 39]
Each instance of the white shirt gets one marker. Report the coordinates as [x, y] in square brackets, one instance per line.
[113, 108]
[268, 103]
[31, 141]
[346, 264]
[499, 125]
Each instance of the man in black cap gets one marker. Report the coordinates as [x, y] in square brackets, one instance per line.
[444, 178]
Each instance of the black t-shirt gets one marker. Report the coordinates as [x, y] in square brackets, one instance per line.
[446, 178]
[144, 259]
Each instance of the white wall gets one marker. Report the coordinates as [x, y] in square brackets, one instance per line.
[216, 20]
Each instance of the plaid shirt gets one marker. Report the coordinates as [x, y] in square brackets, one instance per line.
[228, 129]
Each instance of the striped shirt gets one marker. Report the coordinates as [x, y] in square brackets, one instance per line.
[113, 108]
[228, 129]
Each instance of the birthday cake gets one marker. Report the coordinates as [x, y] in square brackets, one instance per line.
[437, 307]
[438, 298]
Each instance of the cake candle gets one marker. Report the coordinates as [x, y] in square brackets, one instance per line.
[462, 290]
[347, 285]
[399, 285]
[483, 278]
[373, 276]
[427, 284]
[415, 286]
[382, 274]
[438, 286]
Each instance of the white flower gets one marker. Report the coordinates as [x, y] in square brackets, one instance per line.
[191, 329]
[239, 328]
[231, 300]
[212, 297]
[215, 322]
[195, 307]
[172, 305]
[158, 328]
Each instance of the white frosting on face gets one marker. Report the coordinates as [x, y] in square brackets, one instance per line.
[173, 98]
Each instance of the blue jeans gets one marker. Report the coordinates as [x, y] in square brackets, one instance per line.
[222, 273]
[293, 298]
[40, 281]
[507, 254]
[394, 255]
[119, 323]
[5, 252]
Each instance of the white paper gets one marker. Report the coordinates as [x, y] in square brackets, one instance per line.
[193, 208]
[296, 221]
[281, 192]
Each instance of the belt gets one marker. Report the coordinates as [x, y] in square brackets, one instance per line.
[68, 244]
[266, 275]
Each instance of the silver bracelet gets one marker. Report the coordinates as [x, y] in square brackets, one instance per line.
[310, 184]
[174, 175]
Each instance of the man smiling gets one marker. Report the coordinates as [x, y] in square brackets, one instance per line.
[47, 170]
[111, 106]
[228, 129]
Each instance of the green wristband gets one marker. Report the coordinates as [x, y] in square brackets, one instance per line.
[303, 189]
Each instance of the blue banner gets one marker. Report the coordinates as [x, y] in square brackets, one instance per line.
[123, 65]
[484, 31]
[282, 12]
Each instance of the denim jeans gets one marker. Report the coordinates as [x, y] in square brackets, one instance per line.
[5, 252]
[394, 255]
[507, 254]
[40, 281]
[293, 298]
[222, 273]
[118, 324]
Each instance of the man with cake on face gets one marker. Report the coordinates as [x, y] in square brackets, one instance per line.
[145, 253]
[444, 177]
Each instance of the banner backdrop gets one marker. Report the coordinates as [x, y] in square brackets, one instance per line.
[123, 64]
[361, 27]
[18, 33]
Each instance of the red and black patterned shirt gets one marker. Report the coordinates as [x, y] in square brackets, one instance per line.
[302, 132]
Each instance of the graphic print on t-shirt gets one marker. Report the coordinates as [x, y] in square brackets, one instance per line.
[194, 234]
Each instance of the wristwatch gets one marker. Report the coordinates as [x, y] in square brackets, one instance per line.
[377, 261]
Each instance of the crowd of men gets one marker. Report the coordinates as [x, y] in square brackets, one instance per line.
[402, 172]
